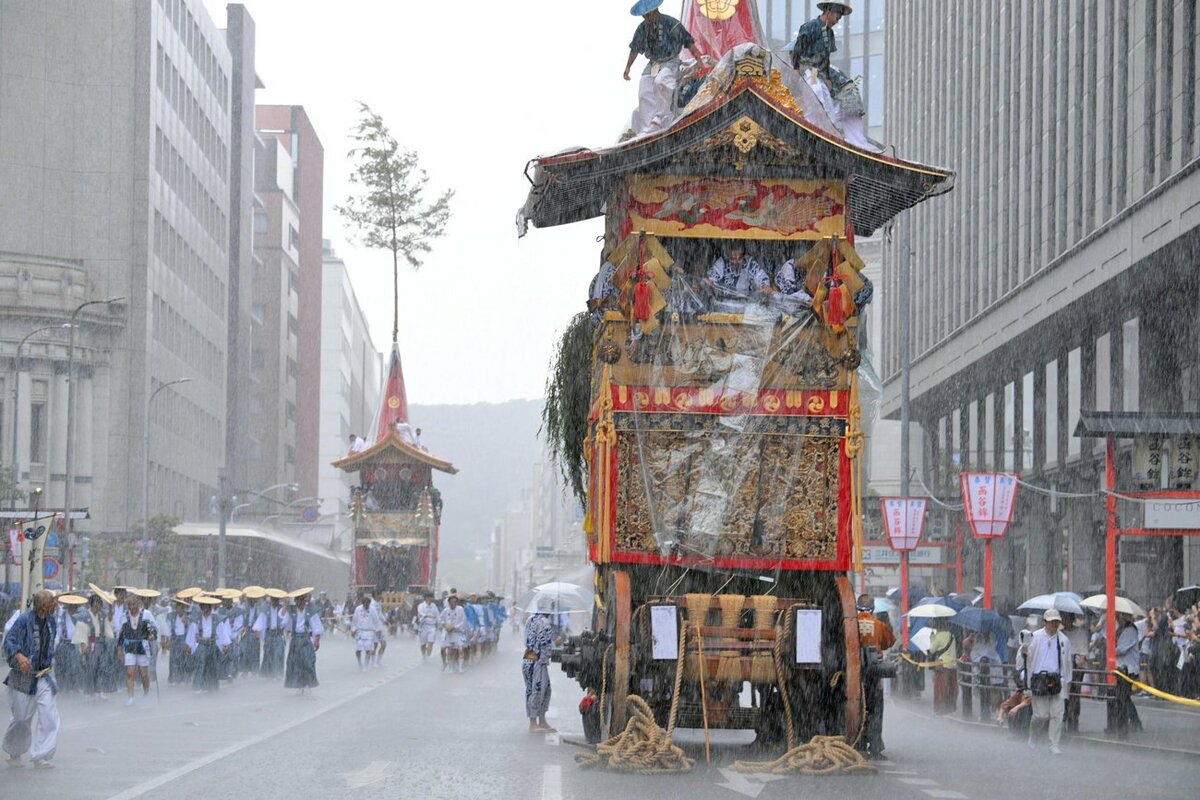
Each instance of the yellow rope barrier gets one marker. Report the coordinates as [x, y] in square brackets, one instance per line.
[921, 664]
[1174, 698]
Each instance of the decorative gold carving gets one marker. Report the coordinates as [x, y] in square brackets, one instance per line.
[779, 92]
[745, 135]
[737, 496]
[750, 66]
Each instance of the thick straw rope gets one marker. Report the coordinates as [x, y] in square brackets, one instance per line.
[823, 755]
[642, 748]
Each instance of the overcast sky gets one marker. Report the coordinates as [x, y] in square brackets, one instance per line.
[477, 88]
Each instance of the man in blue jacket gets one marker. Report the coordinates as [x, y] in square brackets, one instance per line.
[29, 651]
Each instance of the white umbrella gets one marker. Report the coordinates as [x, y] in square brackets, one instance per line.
[929, 610]
[1059, 601]
[922, 639]
[538, 602]
[1124, 605]
[562, 587]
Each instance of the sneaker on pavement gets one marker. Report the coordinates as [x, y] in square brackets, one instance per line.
[1056, 750]
[1032, 744]
[41, 763]
[14, 762]
[129, 701]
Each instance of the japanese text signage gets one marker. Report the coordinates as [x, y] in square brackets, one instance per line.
[903, 521]
[988, 498]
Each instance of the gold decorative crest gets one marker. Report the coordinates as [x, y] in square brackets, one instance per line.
[720, 10]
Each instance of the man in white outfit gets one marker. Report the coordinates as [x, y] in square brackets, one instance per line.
[660, 39]
[454, 623]
[426, 623]
[379, 622]
[1046, 658]
[362, 627]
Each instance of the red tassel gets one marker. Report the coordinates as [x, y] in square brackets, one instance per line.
[836, 315]
[641, 298]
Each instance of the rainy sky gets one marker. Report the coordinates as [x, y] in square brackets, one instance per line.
[466, 84]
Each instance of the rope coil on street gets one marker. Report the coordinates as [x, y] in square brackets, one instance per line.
[822, 755]
[642, 748]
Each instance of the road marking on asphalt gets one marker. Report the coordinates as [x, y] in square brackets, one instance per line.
[749, 784]
[148, 786]
[945, 794]
[374, 772]
[917, 781]
[552, 782]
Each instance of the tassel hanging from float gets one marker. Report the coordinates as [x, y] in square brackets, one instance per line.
[835, 314]
[641, 297]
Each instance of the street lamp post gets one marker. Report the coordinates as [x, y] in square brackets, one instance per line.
[146, 472]
[70, 466]
[15, 466]
[225, 506]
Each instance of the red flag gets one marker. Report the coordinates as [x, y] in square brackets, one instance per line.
[395, 400]
[720, 25]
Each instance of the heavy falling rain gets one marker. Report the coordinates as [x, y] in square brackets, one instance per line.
[827, 426]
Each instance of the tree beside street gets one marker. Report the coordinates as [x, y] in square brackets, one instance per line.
[388, 210]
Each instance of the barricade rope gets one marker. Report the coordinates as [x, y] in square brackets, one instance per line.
[1159, 693]
[921, 664]
[823, 755]
[642, 748]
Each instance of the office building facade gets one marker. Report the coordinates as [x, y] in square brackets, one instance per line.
[1060, 274]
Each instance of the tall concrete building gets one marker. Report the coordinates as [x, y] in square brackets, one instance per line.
[290, 126]
[351, 381]
[1061, 273]
[115, 125]
[274, 320]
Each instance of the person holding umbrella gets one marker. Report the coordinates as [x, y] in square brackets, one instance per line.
[535, 669]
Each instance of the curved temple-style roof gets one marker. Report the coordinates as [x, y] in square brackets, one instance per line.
[392, 443]
[575, 185]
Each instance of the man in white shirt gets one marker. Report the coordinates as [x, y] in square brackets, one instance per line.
[453, 620]
[425, 621]
[1048, 655]
[357, 443]
[379, 622]
[362, 627]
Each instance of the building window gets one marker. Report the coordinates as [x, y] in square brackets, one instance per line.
[1074, 393]
[37, 433]
[1051, 417]
[875, 90]
[293, 237]
[260, 222]
[1130, 366]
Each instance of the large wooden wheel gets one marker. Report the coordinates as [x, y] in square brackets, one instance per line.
[853, 668]
[618, 618]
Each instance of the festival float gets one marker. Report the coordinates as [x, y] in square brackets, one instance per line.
[720, 444]
[396, 509]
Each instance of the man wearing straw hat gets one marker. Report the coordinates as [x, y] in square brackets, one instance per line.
[256, 608]
[660, 39]
[95, 636]
[179, 666]
[271, 628]
[29, 651]
[206, 638]
[304, 624]
[68, 666]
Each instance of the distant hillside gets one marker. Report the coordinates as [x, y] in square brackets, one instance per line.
[494, 446]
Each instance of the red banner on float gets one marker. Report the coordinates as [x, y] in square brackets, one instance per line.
[988, 498]
[903, 522]
[718, 26]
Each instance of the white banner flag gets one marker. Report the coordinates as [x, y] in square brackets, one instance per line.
[34, 534]
[988, 498]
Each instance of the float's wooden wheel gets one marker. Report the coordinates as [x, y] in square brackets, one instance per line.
[853, 670]
[619, 602]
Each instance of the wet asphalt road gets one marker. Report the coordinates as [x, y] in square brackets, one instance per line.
[410, 731]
